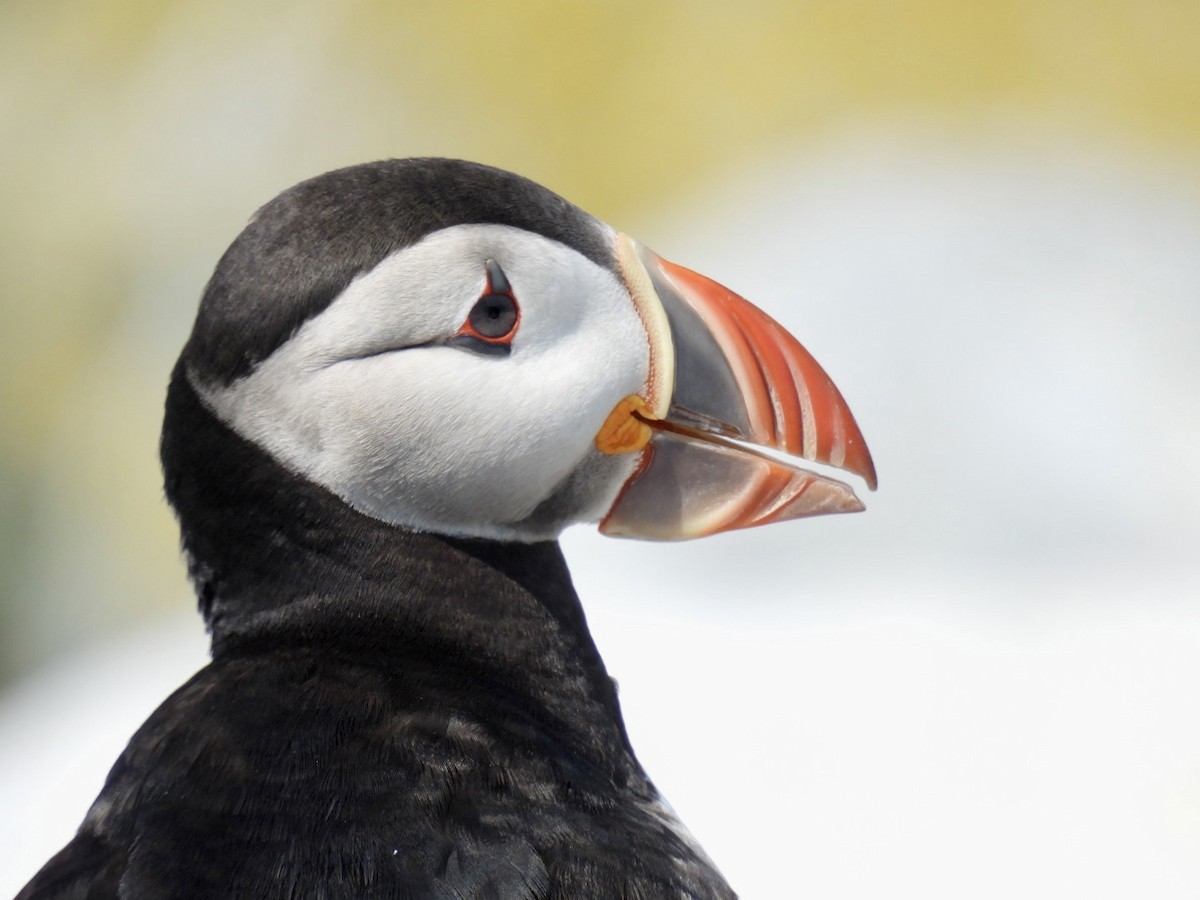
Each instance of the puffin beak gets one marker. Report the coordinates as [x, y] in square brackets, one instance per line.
[731, 401]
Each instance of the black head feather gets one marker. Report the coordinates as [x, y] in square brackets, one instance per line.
[304, 247]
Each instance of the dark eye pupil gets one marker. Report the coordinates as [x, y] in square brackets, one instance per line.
[494, 315]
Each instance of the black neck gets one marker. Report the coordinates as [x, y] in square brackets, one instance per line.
[280, 562]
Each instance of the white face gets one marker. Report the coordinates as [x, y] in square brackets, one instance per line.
[368, 399]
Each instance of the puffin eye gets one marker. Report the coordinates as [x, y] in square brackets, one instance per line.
[494, 316]
[493, 320]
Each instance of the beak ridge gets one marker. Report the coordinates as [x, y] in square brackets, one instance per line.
[730, 391]
[793, 406]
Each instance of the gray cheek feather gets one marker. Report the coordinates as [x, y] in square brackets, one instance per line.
[585, 496]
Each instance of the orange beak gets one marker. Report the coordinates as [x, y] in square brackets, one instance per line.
[726, 384]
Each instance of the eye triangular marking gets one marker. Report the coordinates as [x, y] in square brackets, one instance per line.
[497, 280]
[493, 321]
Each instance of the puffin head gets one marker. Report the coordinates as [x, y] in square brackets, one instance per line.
[452, 348]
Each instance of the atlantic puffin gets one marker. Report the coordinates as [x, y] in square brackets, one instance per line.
[405, 379]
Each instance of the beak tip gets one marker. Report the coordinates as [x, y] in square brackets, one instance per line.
[857, 458]
[871, 479]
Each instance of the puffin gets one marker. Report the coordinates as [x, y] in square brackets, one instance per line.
[404, 380]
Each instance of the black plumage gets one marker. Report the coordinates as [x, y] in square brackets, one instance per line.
[387, 713]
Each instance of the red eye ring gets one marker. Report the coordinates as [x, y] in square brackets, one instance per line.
[496, 316]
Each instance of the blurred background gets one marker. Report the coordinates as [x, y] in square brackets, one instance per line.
[983, 220]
